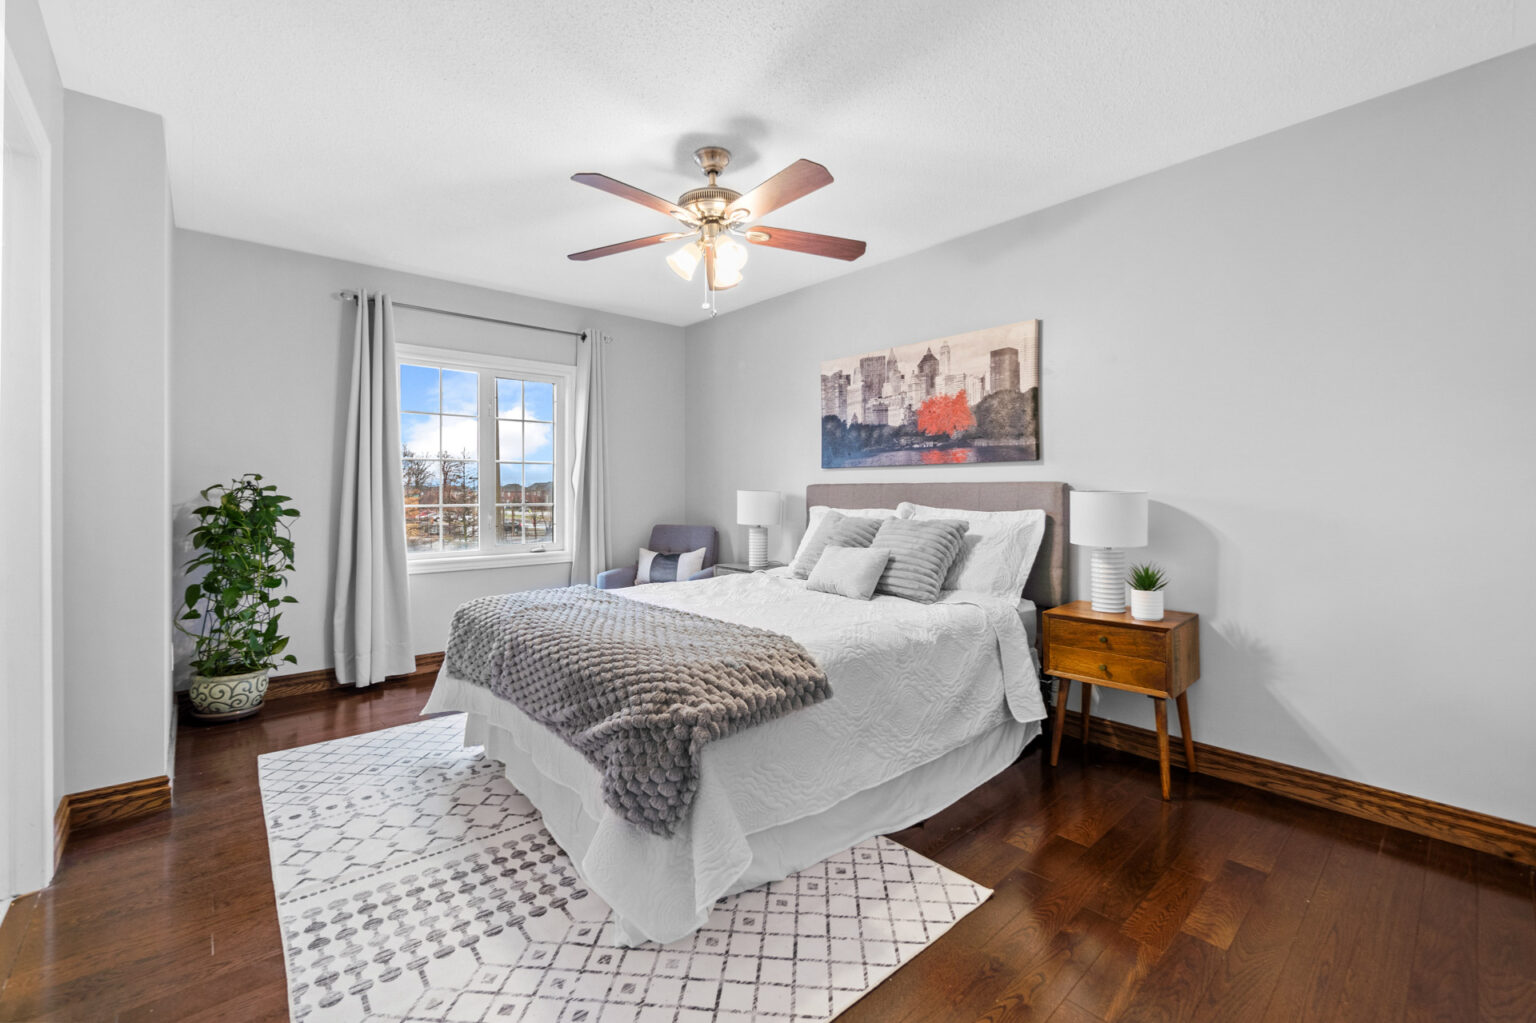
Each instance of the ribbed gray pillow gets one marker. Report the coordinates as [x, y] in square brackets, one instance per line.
[810, 551]
[854, 531]
[834, 530]
[921, 554]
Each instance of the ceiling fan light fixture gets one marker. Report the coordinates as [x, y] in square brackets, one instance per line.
[685, 261]
[730, 257]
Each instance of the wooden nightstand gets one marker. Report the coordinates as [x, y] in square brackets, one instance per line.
[1156, 659]
[733, 567]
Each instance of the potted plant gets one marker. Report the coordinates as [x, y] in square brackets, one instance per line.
[243, 546]
[1147, 582]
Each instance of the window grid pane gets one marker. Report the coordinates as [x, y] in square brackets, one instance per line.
[439, 452]
[525, 413]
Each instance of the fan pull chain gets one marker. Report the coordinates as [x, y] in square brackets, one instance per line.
[709, 299]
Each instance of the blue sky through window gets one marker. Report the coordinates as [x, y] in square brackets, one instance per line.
[539, 401]
[460, 392]
[419, 389]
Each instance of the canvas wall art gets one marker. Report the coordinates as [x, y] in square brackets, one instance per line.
[972, 397]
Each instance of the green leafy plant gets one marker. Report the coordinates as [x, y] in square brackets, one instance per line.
[1147, 577]
[244, 547]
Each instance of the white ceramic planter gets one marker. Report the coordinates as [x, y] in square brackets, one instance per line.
[227, 697]
[1147, 605]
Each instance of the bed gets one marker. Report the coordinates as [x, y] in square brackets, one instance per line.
[928, 702]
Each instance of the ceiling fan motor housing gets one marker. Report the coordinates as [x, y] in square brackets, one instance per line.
[709, 202]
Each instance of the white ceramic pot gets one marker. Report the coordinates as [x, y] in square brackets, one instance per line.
[1147, 605]
[228, 697]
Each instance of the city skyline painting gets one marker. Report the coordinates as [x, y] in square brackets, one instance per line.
[972, 397]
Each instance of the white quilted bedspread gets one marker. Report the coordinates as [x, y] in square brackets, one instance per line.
[912, 685]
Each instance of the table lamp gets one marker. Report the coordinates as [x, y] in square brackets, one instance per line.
[1107, 520]
[757, 509]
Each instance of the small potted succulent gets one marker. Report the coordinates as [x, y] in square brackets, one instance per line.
[1147, 582]
[242, 546]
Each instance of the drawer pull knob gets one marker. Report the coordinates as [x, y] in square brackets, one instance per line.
[1104, 639]
[1105, 669]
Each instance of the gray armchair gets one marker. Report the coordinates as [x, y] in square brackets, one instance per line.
[669, 540]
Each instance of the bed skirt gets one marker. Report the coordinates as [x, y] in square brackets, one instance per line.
[661, 889]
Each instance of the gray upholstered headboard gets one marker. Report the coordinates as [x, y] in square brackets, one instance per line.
[1047, 584]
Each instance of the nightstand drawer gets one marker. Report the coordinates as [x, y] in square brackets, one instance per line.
[1112, 639]
[1089, 664]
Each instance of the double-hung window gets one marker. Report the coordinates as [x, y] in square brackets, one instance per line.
[485, 450]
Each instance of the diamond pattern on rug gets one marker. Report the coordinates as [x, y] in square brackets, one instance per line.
[415, 883]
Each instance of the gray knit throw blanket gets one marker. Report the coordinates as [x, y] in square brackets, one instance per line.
[637, 689]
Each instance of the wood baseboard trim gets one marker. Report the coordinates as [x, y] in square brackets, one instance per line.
[108, 805]
[300, 682]
[322, 680]
[1481, 831]
[114, 803]
[60, 831]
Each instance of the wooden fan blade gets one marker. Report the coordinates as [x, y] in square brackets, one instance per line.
[612, 186]
[637, 243]
[798, 179]
[804, 241]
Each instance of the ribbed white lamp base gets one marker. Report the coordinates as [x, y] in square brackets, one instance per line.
[1108, 580]
[757, 546]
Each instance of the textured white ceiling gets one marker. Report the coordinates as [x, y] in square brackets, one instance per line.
[438, 136]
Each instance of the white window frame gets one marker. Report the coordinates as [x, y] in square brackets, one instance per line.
[489, 367]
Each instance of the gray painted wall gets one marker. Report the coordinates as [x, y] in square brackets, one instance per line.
[1315, 351]
[262, 356]
[117, 551]
[27, 41]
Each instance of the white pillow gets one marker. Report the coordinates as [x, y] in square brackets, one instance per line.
[848, 571]
[815, 513]
[668, 568]
[1000, 547]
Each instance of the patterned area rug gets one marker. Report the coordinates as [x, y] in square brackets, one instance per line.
[415, 883]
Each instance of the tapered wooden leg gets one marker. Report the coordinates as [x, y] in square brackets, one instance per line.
[1189, 737]
[1162, 744]
[1063, 687]
[1087, 710]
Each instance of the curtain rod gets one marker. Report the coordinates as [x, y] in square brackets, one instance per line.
[351, 296]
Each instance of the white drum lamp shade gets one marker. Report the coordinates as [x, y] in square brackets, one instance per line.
[757, 509]
[1107, 520]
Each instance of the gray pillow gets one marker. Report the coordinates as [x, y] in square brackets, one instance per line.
[921, 555]
[835, 530]
[811, 550]
[848, 571]
[854, 531]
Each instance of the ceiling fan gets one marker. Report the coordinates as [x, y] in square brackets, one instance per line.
[715, 217]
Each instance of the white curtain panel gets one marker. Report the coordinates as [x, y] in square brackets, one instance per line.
[589, 469]
[371, 631]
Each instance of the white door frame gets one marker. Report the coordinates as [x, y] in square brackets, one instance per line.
[27, 611]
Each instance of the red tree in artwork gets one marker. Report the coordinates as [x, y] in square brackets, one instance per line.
[945, 414]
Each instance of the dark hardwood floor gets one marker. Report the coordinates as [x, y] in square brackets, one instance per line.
[1110, 904]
